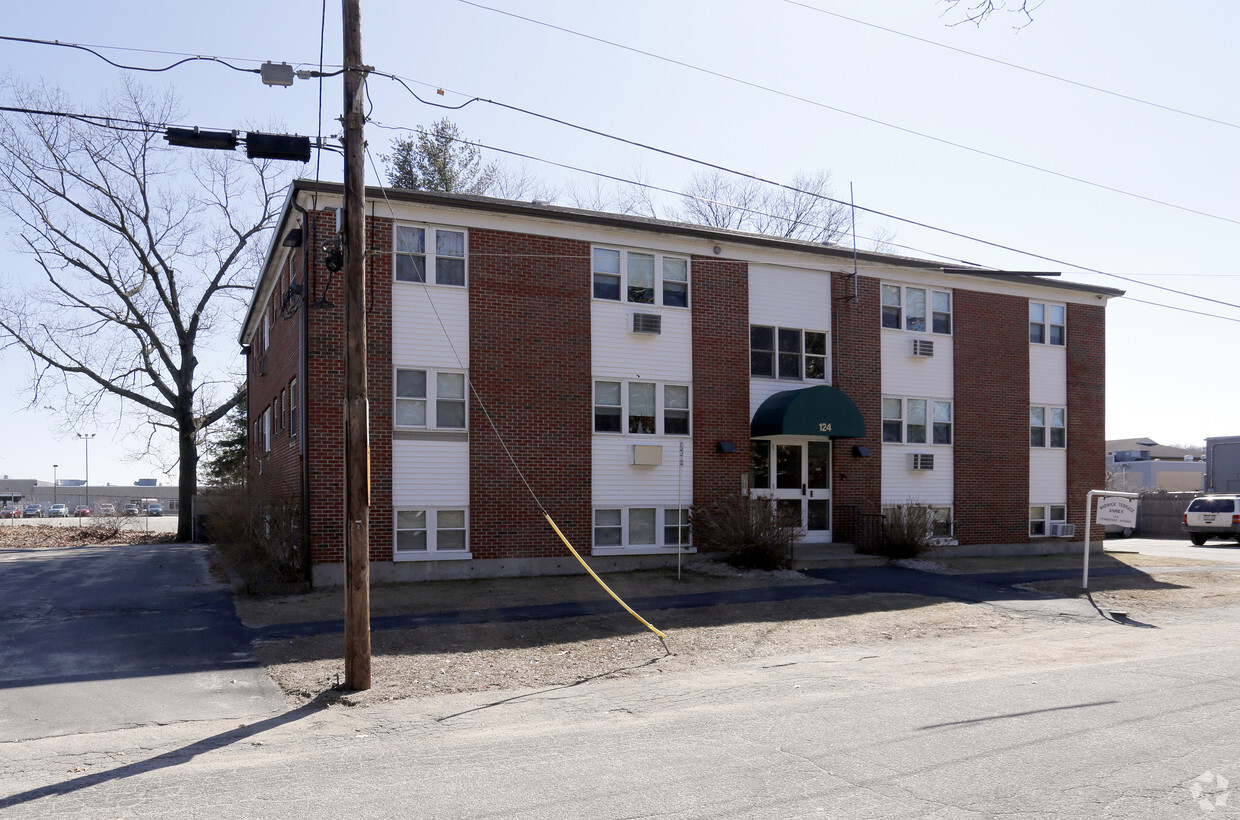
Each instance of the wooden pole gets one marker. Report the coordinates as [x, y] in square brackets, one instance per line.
[357, 433]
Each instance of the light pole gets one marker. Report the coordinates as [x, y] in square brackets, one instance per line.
[86, 437]
[55, 483]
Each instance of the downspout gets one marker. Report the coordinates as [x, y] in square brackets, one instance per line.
[303, 347]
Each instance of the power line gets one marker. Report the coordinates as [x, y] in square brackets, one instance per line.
[660, 189]
[1017, 67]
[90, 50]
[863, 117]
[794, 189]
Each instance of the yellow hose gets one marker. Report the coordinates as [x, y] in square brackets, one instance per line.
[600, 580]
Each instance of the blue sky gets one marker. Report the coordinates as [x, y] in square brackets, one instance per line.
[920, 131]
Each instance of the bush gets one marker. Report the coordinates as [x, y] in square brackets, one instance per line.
[907, 530]
[258, 530]
[752, 534]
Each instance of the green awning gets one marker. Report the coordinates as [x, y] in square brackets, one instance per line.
[815, 412]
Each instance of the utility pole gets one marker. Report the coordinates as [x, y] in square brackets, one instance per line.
[357, 433]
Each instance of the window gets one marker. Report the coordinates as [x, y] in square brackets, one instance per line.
[640, 277]
[917, 421]
[642, 529]
[424, 532]
[941, 522]
[608, 528]
[266, 437]
[676, 409]
[918, 309]
[651, 527]
[443, 264]
[292, 407]
[1046, 323]
[641, 408]
[1048, 427]
[675, 281]
[676, 527]
[787, 353]
[607, 407]
[1040, 515]
[634, 408]
[415, 406]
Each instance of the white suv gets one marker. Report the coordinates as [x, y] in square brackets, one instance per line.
[1212, 516]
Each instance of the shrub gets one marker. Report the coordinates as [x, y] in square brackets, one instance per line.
[750, 531]
[907, 530]
[258, 530]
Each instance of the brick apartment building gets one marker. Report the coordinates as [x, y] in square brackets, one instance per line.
[634, 367]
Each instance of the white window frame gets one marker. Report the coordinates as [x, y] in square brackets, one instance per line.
[431, 399]
[661, 408]
[1041, 516]
[1042, 324]
[660, 285]
[933, 300]
[1048, 429]
[433, 531]
[266, 428]
[663, 523]
[776, 354]
[430, 254]
[932, 424]
[292, 408]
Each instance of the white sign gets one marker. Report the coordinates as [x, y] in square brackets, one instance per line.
[1114, 510]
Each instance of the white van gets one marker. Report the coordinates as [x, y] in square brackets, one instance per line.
[1212, 516]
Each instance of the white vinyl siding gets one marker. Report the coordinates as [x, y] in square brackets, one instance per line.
[418, 338]
[792, 298]
[1048, 474]
[430, 473]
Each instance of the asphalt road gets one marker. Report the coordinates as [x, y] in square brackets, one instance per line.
[1065, 714]
[94, 639]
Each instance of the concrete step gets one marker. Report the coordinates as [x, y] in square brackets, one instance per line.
[824, 556]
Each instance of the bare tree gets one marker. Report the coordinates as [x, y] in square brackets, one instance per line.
[803, 210]
[976, 11]
[146, 255]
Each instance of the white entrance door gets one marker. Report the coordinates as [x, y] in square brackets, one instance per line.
[796, 473]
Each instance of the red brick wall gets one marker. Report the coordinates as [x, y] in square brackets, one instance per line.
[857, 370]
[379, 387]
[720, 304]
[325, 401]
[1086, 331]
[529, 339]
[991, 335]
[276, 472]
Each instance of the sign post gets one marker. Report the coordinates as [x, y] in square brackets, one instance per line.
[1113, 508]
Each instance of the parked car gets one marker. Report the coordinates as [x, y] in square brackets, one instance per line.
[58, 511]
[1212, 516]
[155, 509]
[34, 511]
[9, 511]
[131, 509]
[107, 509]
[82, 510]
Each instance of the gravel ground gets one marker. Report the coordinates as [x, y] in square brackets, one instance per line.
[573, 651]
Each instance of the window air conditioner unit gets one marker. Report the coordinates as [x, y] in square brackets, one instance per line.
[923, 348]
[649, 323]
[1063, 530]
[921, 461]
